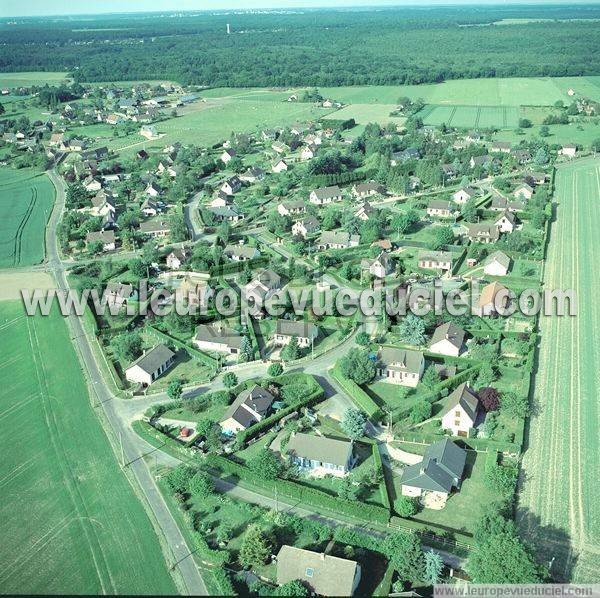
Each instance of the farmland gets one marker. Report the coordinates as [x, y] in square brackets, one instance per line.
[70, 519]
[26, 79]
[26, 200]
[368, 113]
[560, 484]
[472, 117]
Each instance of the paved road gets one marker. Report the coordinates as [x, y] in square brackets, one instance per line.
[104, 400]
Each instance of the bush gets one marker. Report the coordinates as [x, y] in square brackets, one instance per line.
[405, 506]
[275, 369]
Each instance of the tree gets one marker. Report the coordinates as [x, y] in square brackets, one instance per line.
[405, 506]
[544, 131]
[404, 222]
[291, 588]
[412, 330]
[420, 412]
[486, 375]
[490, 398]
[175, 389]
[230, 380]
[502, 479]
[353, 423]
[178, 230]
[541, 157]
[201, 485]
[516, 405]
[128, 346]
[596, 144]
[246, 352]
[525, 123]
[469, 210]
[431, 378]
[178, 479]
[356, 365]
[265, 464]
[406, 556]
[362, 339]
[444, 235]
[255, 547]
[275, 369]
[291, 351]
[499, 556]
[347, 489]
[433, 567]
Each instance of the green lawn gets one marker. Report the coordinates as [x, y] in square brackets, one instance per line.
[70, 519]
[26, 200]
[583, 133]
[27, 79]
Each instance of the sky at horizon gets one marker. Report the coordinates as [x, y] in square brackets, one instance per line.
[18, 8]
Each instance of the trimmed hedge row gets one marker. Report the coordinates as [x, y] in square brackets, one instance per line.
[303, 494]
[357, 394]
[235, 267]
[383, 489]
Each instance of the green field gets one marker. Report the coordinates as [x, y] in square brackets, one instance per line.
[31, 78]
[471, 117]
[26, 200]
[70, 520]
[583, 134]
[368, 113]
[558, 502]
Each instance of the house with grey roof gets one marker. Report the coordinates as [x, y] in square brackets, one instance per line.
[440, 208]
[288, 208]
[320, 455]
[305, 227]
[368, 189]
[151, 365]
[434, 478]
[464, 194]
[435, 260]
[506, 222]
[379, 267]
[337, 239]
[240, 253]
[118, 293]
[106, 237]
[448, 339]
[304, 332]
[325, 195]
[497, 264]
[323, 574]
[462, 409]
[400, 366]
[249, 407]
[483, 232]
[218, 337]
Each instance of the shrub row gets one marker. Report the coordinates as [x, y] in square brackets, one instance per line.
[234, 267]
[362, 400]
[303, 494]
[383, 489]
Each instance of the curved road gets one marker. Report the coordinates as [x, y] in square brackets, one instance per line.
[122, 432]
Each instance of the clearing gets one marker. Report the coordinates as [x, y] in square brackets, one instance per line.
[70, 518]
[26, 79]
[26, 200]
[558, 509]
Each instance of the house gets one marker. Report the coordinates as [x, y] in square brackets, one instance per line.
[449, 171]
[304, 332]
[506, 223]
[149, 132]
[217, 337]
[332, 239]
[91, 184]
[364, 211]
[228, 155]
[537, 178]
[523, 192]
[221, 200]
[150, 207]
[194, 290]
[440, 208]
[151, 365]
[240, 252]
[464, 194]
[434, 478]
[142, 155]
[448, 339]
[501, 204]
[325, 195]
[522, 156]
[324, 574]
[279, 148]
[480, 161]
[473, 137]
[106, 237]
[493, 298]
[380, 267]
[411, 153]
[56, 139]
[156, 229]
[226, 213]
[460, 414]
[483, 232]
[288, 208]
[497, 264]
[368, 189]
[400, 366]
[253, 174]
[261, 288]
[268, 134]
[305, 227]
[383, 244]
[177, 258]
[502, 147]
[320, 455]
[250, 406]
[308, 152]
[102, 204]
[118, 293]
[279, 166]
[231, 185]
[435, 260]
[569, 150]
[152, 189]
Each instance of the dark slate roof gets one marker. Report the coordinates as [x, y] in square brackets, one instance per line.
[466, 398]
[319, 448]
[441, 469]
[451, 332]
[298, 329]
[255, 399]
[154, 359]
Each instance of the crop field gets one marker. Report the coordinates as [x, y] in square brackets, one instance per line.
[558, 504]
[69, 519]
[368, 113]
[516, 91]
[471, 117]
[26, 200]
[31, 78]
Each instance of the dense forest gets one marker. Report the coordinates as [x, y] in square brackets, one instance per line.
[310, 47]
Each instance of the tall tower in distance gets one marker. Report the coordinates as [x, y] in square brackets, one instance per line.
[228, 29]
